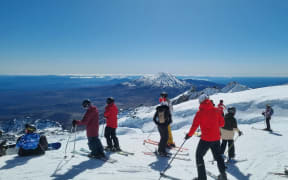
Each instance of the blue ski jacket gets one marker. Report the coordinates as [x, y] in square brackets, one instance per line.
[28, 141]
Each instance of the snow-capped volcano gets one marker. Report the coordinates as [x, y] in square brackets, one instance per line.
[160, 80]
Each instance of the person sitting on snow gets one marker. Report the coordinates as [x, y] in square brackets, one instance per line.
[31, 143]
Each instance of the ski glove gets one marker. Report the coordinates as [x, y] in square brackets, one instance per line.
[240, 133]
[74, 123]
[187, 136]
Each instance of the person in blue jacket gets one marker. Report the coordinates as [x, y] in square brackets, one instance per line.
[31, 143]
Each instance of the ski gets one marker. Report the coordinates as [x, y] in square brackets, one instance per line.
[150, 141]
[168, 156]
[121, 152]
[277, 133]
[84, 153]
[168, 177]
[212, 175]
[278, 173]
[234, 161]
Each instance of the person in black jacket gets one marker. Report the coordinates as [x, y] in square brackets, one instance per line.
[162, 119]
[227, 133]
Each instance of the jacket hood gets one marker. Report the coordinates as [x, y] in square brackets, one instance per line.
[206, 104]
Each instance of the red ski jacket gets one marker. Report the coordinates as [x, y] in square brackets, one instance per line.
[221, 107]
[91, 120]
[210, 120]
[110, 114]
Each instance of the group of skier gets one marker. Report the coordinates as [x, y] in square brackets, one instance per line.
[91, 121]
[215, 125]
[213, 122]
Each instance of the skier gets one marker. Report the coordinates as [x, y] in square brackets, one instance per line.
[227, 133]
[221, 106]
[91, 121]
[31, 143]
[162, 119]
[164, 98]
[210, 120]
[110, 114]
[268, 114]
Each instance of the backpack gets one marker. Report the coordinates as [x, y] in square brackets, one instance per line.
[271, 112]
[163, 114]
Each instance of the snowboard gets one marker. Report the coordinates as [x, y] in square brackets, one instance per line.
[11, 149]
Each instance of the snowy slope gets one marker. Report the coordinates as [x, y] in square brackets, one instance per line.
[265, 152]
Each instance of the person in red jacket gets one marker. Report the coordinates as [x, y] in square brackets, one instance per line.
[210, 120]
[221, 107]
[110, 114]
[91, 121]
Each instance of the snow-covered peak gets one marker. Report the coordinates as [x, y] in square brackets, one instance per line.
[162, 80]
[234, 87]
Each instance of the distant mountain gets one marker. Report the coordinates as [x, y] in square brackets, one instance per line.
[234, 87]
[160, 80]
[193, 93]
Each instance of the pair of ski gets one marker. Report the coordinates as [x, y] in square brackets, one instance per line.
[150, 141]
[169, 155]
[121, 152]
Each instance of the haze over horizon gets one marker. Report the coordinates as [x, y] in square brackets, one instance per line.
[196, 38]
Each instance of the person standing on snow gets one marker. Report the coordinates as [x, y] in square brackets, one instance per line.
[91, 121]
[221, 107]
[164, 98]
[268, 114]
[162, 119]
[210, 120]
[111, 112]
[31, 143]
[227, 133]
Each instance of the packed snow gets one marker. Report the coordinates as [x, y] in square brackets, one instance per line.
[262, 152]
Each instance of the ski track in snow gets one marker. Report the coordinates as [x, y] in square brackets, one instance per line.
[265, 152]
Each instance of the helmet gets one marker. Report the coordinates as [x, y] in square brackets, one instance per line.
[30, 128]
[86, 103]
[231, 110]
[164, 94]
[203, 97]
[221, 101]
[109, 100]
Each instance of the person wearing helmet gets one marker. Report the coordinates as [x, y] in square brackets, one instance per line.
[91, 121]
[31, 143]
[164, 98]
[268, 114]
[162, 119]
[111, 112]
[227, 133]
[210, 120]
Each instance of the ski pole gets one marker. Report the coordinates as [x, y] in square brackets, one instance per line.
[75, 132]
[103, 128]
[162, 173]
[231, 145]
[65, 156]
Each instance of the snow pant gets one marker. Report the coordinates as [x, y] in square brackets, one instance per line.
[231, 148]
[110, 135]
[95, 146]
[170, 137]
[42, 146]
[268, 123]
[202, 149]
[163, 130]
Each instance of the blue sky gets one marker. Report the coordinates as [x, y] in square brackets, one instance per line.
[196, 37]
